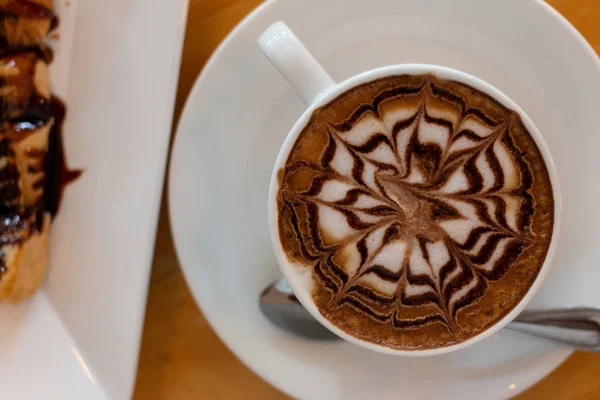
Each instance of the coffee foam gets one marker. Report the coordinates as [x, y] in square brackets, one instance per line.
[419, 203]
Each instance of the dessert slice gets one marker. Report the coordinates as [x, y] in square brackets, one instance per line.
[25, 124]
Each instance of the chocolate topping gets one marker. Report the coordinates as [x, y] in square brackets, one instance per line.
[33, 170]
[58, 173]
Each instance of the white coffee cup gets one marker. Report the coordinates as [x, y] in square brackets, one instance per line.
[316, 88]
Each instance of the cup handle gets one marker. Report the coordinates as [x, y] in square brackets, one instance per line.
[294, 62]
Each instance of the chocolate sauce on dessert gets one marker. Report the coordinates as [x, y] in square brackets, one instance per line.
[33, 168]
[58, 173]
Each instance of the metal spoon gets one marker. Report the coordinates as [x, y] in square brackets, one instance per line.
[575, 327]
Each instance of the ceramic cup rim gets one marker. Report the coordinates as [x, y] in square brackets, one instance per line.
[290, 271]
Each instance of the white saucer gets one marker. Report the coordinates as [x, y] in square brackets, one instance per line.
[240, 111]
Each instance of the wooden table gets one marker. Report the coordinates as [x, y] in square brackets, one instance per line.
[181, 357]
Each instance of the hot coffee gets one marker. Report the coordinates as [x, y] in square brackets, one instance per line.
[420, 208]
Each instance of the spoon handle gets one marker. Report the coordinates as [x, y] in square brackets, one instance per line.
[576, 327]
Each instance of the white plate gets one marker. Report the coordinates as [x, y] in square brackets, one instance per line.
[116, 66]
[240, 110]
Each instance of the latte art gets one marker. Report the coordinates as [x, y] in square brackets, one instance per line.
[421, 207]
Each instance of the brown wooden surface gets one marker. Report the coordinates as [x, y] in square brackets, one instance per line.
[181, 357]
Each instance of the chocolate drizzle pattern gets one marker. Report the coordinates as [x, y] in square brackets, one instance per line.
[410, 207]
